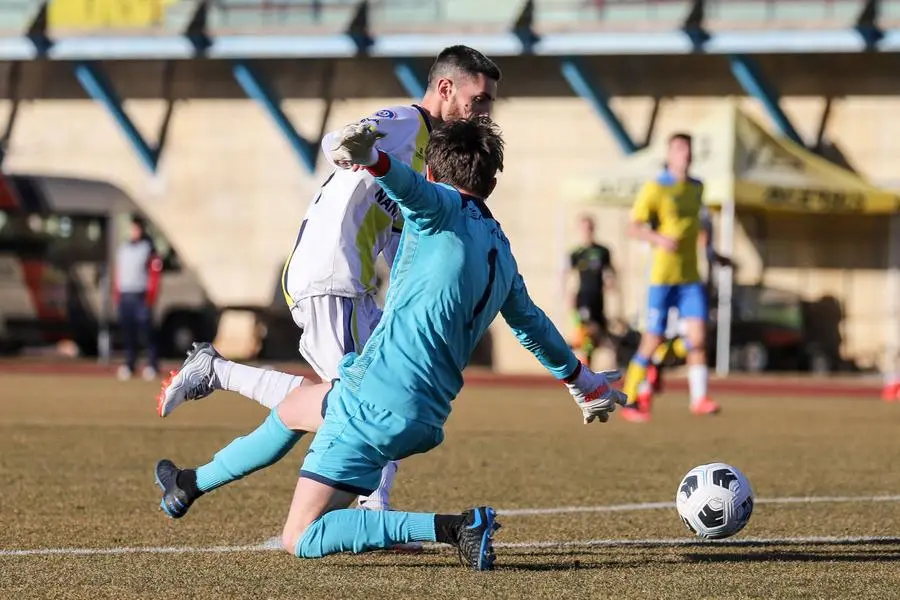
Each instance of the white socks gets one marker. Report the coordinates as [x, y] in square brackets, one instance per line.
[265, 386]
[698, 382]
[379, 500]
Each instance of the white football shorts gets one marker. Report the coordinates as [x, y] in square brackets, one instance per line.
[333, 326]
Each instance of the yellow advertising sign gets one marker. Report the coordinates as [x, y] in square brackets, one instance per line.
[100, 14]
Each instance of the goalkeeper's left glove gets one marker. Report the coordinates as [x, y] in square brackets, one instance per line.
[593, 393]
[355, 145]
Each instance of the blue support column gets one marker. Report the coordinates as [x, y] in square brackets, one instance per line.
[256, 89]
[97, 87]
[410, 78]
[591, 91]
[751, 78]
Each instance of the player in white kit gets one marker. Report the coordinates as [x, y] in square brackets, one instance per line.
[329, 279]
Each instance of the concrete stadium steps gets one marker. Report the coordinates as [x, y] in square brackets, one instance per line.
[252, 16]
[794, 13]
[401, 14]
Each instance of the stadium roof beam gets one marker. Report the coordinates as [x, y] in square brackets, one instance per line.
[751, 78]
[591, 91]
[410, 77]
[97, 86]
[259, 91]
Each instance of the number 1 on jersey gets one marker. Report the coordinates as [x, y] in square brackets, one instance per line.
[486, 294]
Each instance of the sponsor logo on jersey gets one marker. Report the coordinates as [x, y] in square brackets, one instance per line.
[386, 114]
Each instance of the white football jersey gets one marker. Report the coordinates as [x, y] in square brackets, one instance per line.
[351, 220]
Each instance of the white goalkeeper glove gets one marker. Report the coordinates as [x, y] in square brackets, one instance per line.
[355, 145]
[594, 395]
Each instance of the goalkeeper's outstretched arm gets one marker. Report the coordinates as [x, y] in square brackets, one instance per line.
[422, 202]
[537, 333]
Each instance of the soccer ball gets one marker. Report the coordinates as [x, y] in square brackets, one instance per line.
[714, 501]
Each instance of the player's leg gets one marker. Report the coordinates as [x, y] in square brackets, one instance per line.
[147, 335]
[670, 346]
[319, 524]
[692, 305]
[658, 301]
[128, 323]
[361, 316]
[205, 371]
[300, 412]
[580, 341]
[346, 459]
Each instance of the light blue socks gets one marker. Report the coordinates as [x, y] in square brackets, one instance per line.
[354, 530]
[264, 446]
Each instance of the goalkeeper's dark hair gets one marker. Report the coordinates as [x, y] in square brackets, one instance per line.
[462, 60]
[466, 154]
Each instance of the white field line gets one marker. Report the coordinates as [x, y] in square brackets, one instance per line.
[275, 542]
[561, 510]
[675, 542]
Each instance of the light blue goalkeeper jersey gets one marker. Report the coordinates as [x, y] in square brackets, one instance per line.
[453, 274]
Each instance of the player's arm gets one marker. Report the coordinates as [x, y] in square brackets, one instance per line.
[538, 335]
[422, 202]
[610, 277]
[705, 240]
[394, 126]
[570, 281]
[645, 207]
[536, 332]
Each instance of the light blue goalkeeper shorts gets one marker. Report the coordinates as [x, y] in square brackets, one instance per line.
[358, 439]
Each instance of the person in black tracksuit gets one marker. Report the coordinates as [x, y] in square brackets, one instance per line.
[592, 263]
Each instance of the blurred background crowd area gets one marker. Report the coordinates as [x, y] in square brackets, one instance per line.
[204, 117]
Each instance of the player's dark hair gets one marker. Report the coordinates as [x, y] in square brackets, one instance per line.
[466, 154]
[462, 59]
[682, 136]
[140, 222]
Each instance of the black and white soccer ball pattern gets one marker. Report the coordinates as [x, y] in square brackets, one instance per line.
[714, 501]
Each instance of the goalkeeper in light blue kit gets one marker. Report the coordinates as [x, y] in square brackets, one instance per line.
[453, 274]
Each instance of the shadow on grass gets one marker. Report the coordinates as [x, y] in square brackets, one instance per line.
[796, 556]
[637, 556]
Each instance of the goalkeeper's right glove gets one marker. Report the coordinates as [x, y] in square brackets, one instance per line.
[593, 393]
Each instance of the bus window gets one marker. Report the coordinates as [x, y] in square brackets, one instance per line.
[22, 235]
[77, 238]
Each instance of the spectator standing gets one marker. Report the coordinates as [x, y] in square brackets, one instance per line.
[136, 287]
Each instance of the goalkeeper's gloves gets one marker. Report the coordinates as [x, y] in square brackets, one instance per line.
[593, 393]
[355, 145]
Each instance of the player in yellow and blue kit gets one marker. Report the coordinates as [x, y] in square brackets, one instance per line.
[453, 274]
[673, 202]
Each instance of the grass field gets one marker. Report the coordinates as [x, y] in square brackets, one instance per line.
[77, 453]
